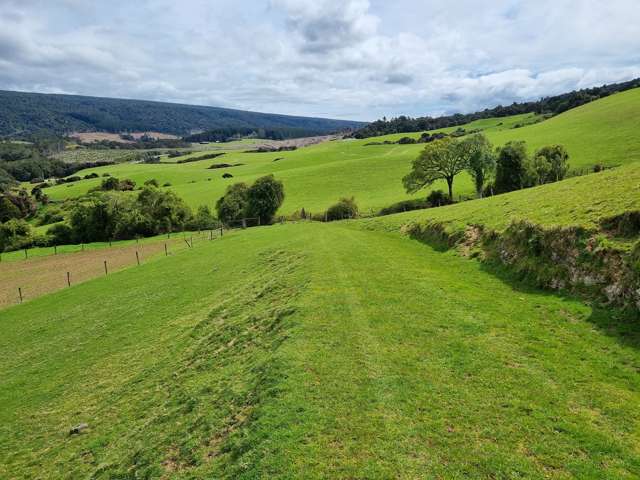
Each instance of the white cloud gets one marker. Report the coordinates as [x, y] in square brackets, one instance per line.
[356, 59]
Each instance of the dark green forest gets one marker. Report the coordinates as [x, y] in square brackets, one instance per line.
[24, 114]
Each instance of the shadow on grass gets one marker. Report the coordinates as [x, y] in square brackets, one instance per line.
[621, 324]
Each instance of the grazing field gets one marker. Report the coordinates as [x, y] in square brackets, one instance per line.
[44, 272]
[581, 201]
[316, 351]
[602, 132]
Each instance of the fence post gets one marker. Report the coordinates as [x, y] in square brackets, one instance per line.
[20, 293]
[106, 271]
[25, 254]
[210, 234]
[221, 231]
[137, 257]
[166, 253]
[55, 249]
[68, 279]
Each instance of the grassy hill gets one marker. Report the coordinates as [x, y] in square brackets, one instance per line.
[601, 132]
[342, 350]
[581, 201]
[316, 351]
[24, 113]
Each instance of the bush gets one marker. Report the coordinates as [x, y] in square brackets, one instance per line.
[60, 234]
[203, 219]
[345, 208]
[405, 206]
[407, 141]
[90, 176]
[438, 198]
[15, 234]
[114, 184]
[152, 182]
[8, 210]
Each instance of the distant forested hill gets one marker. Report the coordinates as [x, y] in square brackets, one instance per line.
[29, 113]
[545, 106]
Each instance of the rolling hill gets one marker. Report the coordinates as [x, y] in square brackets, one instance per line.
[341, 350]
[24, 113]
[601, 132]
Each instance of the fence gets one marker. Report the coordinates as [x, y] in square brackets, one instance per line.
[26, 280]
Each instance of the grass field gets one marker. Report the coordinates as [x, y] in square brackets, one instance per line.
[580, 201]
[316, 351]
[315, 177]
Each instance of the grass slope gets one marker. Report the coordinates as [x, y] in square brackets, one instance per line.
[316, 351]
[315, 177]
[580, 201]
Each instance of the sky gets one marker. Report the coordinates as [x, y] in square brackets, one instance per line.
[349, 59]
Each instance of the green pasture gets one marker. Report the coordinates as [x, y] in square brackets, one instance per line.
[316, 351]
[602, 132]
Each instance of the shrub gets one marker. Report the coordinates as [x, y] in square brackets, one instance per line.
[152, 182]
[227, 175]
[437, 198]
[407, 141]
[345, 208]
[8, 210]
[60, 234]
[203, 219]
[15, 234]
[405, 206]
[91, 175]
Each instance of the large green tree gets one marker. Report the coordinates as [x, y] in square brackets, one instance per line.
[264, 198]
[550, 164]
[511, 167]
[233, 204]
[482, 161]
[440, 160]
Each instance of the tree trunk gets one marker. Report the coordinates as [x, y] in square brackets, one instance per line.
[450, 185]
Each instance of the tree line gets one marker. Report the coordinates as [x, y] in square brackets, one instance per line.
[545, 106]
[493, 171]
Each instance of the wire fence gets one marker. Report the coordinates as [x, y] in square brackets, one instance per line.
[33, 276]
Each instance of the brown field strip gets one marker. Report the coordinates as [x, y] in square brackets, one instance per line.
[41, 275]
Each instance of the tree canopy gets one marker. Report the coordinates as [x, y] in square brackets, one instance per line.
[440, 160]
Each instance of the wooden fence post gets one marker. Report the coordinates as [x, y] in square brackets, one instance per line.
[106, 271]
[20, 294]
[137, 257]
[68, 279]
[166, 253]
[26, 255]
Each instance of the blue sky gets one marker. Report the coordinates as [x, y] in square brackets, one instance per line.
[352, 59]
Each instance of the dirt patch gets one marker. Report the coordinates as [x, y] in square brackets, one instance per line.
[41, 275]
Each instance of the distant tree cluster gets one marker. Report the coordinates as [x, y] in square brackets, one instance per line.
[28, 162]
[548, 105]
[493, 171]
[260, 200]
